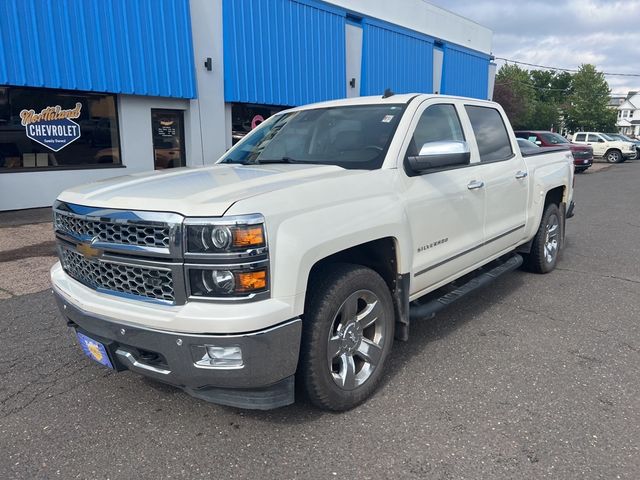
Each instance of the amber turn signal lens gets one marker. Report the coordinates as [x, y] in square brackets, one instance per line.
[251, 281]
[251, 236]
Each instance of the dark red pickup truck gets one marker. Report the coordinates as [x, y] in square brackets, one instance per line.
[582, 154]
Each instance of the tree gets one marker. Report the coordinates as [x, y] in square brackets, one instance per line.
[551, 90]
[587, 107]
[513, 90]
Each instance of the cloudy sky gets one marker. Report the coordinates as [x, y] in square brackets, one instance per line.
[563, 33]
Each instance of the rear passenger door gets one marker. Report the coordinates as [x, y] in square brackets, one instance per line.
[504, 174]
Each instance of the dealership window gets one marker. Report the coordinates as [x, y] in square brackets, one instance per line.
[245, 117]
[168, 138]
[54, 129]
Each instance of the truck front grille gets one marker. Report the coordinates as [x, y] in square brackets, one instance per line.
[113, 232]
[154, 283]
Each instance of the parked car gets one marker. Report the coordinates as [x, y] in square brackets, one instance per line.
[612, 150]
[582, 154]
[624, 138]
[311, 244]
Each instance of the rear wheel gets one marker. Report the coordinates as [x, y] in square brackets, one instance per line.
[347, 336]
[546, 244]
[613, 156]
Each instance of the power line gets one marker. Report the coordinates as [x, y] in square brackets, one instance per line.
[511, 82]
[570, 70]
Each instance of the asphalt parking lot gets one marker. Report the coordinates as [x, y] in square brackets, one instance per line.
[533, 377]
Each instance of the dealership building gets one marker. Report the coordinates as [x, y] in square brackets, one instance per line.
[92, 89]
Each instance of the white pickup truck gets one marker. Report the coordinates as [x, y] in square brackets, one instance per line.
[303, 252]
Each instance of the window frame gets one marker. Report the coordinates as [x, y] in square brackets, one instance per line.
[91, 166]
[411, 131]
[488, 107]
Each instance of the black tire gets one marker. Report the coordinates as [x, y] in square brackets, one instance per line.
[330, 291]
[613, 156]
[538, 259]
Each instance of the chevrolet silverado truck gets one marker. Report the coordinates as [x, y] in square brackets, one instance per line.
[293, 262]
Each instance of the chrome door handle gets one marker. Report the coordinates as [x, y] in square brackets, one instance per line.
[521, 174]
[473, 184]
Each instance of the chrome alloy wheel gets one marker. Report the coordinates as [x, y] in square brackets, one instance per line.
[552, 239]
[356, 339]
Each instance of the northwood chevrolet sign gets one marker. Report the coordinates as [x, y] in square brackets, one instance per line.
[53, 126]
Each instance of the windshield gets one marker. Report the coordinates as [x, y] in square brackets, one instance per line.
[620, 136]
[607, 137]
[354, 137]
[554, 138]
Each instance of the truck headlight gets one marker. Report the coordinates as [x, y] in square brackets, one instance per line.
[219, 282]
[239, 234]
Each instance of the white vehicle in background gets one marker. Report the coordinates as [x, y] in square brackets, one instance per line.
[604, 146]
[311, 245]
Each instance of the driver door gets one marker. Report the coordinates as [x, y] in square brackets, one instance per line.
[446, 208]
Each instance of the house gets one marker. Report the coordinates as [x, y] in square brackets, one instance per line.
[629, 115]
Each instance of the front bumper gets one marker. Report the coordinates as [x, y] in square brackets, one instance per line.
[264, 381]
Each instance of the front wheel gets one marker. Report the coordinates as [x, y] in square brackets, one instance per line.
[347, 335]
[546, 244]
[613, 156]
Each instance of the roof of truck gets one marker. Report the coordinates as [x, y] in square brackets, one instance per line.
[401, 98]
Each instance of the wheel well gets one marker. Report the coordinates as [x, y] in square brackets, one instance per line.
[613, 150]
[379, 255]
[555, 195]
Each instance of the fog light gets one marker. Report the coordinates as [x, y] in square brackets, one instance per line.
[220, 357]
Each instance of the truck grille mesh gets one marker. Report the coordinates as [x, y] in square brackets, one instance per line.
[111, 232]
[133, 280]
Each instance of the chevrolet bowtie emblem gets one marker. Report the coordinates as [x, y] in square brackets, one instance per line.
[89, 251]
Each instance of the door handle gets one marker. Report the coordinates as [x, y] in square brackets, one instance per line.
[473, 184]
[521, 174]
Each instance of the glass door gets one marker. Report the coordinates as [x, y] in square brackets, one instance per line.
[168, 138]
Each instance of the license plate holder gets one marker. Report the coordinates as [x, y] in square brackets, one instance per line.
[94, 349]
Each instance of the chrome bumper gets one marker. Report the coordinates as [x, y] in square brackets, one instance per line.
[264, 381]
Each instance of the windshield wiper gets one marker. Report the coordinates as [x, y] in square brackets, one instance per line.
[283, 160]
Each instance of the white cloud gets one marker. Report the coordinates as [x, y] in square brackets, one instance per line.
[563, 34]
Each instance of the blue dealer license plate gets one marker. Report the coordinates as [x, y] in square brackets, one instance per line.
[94, 350]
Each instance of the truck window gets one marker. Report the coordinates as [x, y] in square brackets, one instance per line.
[438, 123]
[580, 137]
[593, 138]
[491, 133]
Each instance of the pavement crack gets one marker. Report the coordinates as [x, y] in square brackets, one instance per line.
[542, 314]
[601, 275]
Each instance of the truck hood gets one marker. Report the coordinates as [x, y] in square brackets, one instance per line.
[204, 191]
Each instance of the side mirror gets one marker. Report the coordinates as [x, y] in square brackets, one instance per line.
[600, 140]
[438, 155]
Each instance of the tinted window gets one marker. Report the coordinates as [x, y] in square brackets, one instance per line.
[356, 137]
[438, 123]
[42, 128]
[554, 138]
[491, 133]
[580, 137]
[593, 138]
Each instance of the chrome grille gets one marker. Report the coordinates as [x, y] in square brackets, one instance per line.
[113, 232]
[138, 280]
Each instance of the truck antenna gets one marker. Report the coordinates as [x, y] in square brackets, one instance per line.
[387, 93]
